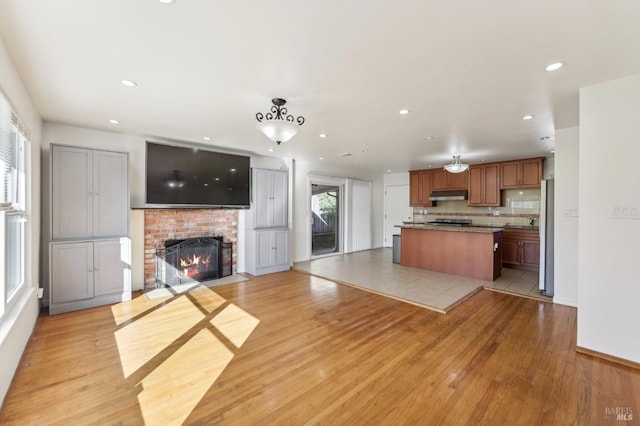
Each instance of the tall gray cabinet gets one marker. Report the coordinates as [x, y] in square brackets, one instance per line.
[90, 248]
[266, 226]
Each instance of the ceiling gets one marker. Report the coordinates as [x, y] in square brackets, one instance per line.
[468, 72]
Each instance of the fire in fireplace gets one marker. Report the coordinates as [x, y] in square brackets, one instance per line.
[193, 260]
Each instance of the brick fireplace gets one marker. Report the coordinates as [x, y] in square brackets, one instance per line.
[174, 224]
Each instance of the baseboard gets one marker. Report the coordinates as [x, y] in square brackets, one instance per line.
[567, 302]
[608, 357]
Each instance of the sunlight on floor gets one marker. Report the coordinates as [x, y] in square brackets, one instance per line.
[175, 387]
[178, 366]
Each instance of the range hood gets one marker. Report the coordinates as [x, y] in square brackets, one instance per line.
[448, 195]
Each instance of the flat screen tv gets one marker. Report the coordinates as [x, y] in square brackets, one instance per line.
[192, 177]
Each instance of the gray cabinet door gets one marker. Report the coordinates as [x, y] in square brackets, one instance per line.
[262, 194]
[71, 272]
[264, 249]
[110, 266]
[279, 199]
[71, 193]
[110, 194]
[281, 247]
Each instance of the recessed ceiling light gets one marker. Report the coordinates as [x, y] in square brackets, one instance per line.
[166, 1]
[114, 122]
[555, 66]
[323, 135]
[404, 111]
[270, 150]
[429, 138]
[206, 138]
[321, 158]
[128, 83]
[527, 117]
[232, 170]
[388, 170]
[429, 166]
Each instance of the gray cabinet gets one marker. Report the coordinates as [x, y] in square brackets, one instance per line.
[267, 234]
[89, 193]
[272, 248]
[82, 271]
[90, 249]
[270, 198]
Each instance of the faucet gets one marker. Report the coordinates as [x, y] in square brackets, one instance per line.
[532, 220]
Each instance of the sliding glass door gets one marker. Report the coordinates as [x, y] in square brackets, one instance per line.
[326, 223]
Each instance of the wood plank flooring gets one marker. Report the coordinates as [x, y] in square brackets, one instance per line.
[290, 348]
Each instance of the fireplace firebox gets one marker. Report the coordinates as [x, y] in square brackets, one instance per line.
[193, 260]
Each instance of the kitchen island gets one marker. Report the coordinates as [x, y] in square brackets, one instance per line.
[461, 250]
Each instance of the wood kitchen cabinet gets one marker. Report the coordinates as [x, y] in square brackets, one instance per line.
[445, 181]
[420, 184]
[521, 173]
[484, 185]
[521, 249]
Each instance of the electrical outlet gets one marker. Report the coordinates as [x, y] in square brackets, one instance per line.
[625, 212]
[496, 212]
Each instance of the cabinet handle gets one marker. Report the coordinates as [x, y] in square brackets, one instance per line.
[96, 269]
[90, 270]
[89, 194]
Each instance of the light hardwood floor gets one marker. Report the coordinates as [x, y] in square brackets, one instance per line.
[290, 348]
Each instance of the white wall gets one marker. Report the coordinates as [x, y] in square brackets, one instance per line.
[609, 253]
[566, 217]
[17, 326]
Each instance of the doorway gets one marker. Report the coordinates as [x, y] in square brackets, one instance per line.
[396, 210]
[326, 223]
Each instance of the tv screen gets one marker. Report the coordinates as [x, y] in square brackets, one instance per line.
[192, 177]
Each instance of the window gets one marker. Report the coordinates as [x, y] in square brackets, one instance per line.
[14, 147]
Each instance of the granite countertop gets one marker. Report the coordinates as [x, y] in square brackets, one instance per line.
[500, 226]
[477, 229]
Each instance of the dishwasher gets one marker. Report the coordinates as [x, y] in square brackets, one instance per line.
[396, 248]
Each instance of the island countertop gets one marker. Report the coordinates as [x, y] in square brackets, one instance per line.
[479, 229]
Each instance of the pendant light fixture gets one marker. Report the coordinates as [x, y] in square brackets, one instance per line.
[456, 166]
[278, 125]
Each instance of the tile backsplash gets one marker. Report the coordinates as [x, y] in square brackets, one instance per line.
[518, 205]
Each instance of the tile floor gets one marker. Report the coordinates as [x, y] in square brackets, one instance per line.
[373, 270]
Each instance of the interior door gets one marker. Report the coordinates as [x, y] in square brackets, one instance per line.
[396, 210]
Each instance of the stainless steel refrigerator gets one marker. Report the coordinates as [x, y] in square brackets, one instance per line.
[546, 237]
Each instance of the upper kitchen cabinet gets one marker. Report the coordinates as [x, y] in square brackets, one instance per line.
[484, 185]
[521, 173]
[420, 188]
[89, 193]
[269, 198]
[445, 181]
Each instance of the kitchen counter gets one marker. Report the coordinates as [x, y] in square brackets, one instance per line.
[471, 251]
[473, 228]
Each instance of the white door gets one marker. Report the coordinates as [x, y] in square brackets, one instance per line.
[396, 210]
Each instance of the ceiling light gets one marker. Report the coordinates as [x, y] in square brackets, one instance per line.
[277, 125]
[323, 135]
[270, 150]
[404, 111]
[206, 138]
[555, 66]
[388, 170]
[527, 117]
[114, 122]
[166, 1]
[322, 158]
[456, 166]
[429, 138]
[128, 83]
